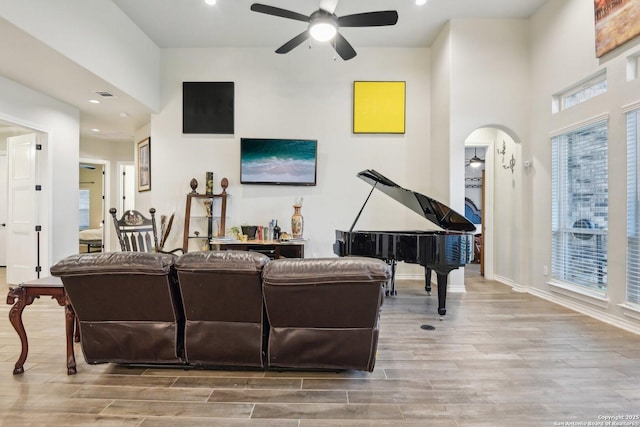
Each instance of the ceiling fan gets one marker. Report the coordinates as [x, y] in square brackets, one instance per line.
[475, 161]
[324, 25]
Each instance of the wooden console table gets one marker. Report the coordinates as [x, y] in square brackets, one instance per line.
[272, 248]
[24, 295]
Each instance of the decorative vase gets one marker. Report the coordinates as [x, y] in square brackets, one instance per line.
[297, 222]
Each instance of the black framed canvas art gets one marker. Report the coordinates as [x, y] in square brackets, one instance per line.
[207, 107]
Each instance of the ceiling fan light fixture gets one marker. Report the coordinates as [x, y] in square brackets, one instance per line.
[475, 162]
[323, 29]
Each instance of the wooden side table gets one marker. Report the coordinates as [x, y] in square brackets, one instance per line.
[24, 295]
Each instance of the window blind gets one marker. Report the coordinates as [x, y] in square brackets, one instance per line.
[633, 208]
[580, 206]
[84, 200]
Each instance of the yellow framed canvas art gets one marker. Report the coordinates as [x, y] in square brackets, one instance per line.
[379, 107]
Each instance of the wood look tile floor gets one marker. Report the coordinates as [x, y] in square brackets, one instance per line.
[499, 358]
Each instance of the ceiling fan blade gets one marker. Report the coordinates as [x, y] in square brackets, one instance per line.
[369, 19]
[344, 49]
[276, 11]
[294, 42]
[329, 5]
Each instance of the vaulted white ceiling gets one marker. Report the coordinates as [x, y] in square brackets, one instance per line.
[191, 23]
[230, 23]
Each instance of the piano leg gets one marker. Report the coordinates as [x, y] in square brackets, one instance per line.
[442, 292]
[427, 280]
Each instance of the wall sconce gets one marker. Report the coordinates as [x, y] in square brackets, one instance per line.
[512, 163]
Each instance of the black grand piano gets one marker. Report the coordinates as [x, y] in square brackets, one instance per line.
[438, 250]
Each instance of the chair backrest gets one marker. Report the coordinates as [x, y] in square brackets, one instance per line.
[136, 232]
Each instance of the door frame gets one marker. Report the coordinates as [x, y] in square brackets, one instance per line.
[122, 182]
[5, 202]
[106, 201]
[488, 230]
[45, 178]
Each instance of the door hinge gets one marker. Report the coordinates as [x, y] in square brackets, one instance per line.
[38, 269]
[38, 147]
[38, 228]
[38, 187]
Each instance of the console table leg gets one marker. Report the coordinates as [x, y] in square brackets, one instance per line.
[18, 297]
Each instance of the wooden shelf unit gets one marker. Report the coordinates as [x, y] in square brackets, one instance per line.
[211, 232]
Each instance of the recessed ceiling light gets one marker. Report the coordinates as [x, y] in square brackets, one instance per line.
[124, 114]
[94, 101]
[421, 2]
[210, 2]
[95, 130]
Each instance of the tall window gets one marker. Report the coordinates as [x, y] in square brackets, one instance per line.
[580, 207]
[83, 214]
[633, 207]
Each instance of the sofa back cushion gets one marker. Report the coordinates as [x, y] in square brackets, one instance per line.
[328, 293]
[127, 304]
[222, 299]
[323, 313]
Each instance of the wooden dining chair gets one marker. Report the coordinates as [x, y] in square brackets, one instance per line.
[137, 233]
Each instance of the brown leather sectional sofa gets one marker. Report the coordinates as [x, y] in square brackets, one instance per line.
[226, 309]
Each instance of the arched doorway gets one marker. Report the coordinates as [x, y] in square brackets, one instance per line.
[497, 191]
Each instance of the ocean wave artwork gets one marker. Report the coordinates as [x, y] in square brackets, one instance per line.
[278, 161]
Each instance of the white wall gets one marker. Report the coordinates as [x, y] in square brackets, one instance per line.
[563, 53]
[119, 52]
[481, 75]
[508, 236]
[304, 94]
[60, 123]
[440, 101]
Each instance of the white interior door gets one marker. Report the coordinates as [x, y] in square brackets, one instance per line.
[21, 238]
[3, 209]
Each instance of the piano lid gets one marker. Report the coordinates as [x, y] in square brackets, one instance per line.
[431, 209]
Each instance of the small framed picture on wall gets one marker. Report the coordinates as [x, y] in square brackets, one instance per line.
[144, 165]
